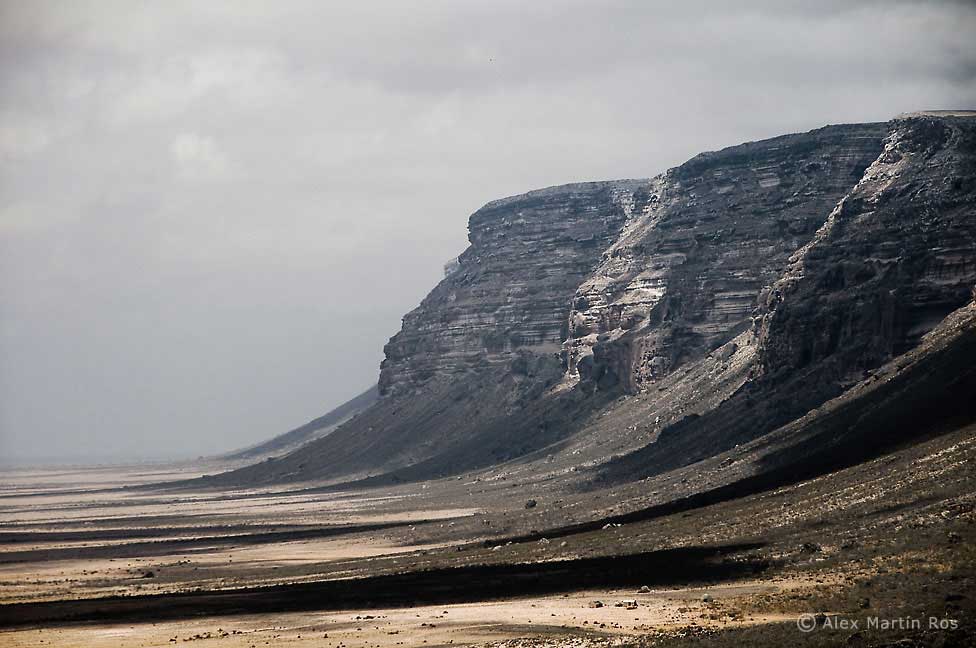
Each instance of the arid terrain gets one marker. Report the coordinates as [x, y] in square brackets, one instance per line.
[87, 560]
[730, 405]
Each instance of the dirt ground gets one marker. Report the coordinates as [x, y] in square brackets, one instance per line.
[88, 559]
[569, 615]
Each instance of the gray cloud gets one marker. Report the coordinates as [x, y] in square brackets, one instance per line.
[213, 215]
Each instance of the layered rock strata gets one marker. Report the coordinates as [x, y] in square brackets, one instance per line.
[685, 277]
[508, 293]
[892, 260]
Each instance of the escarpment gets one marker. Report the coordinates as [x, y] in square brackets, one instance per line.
[892, 260]
[508, 293]
[624, 329]
[685, 277]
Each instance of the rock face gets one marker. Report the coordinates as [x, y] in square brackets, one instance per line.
[749, 286]
[892, 260]
[508, 292]
[630, 279]
[684, 278]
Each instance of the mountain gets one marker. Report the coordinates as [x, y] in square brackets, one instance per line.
[752, 315]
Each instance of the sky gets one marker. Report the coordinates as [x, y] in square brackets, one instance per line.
[214, 214]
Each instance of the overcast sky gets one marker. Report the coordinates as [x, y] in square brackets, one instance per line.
[214, 214]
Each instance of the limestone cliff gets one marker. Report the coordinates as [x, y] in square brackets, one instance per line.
[894, 258]
[685, 277]
[509, 291]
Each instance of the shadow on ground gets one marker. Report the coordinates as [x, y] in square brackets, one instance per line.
[434, 587]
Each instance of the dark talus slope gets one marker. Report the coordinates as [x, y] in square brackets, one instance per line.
[314, 429]
[926, 392]
[895, 257]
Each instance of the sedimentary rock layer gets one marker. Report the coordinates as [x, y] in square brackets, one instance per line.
[511, 288]
[685, 277]
[894, 258]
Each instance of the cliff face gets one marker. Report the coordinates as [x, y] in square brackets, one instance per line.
[749, 286]
[685, 277]
[508, 293]
[894, 258]
[630, 279]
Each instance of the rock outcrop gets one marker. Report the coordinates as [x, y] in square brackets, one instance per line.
[685, 277]
[894, 258]
[508, 292]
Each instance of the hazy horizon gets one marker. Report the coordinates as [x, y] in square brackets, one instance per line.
[213, 215]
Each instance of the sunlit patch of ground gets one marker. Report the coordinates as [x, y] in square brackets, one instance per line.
[622, 613]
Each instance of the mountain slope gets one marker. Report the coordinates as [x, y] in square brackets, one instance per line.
[619, 330]
[895, 257]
